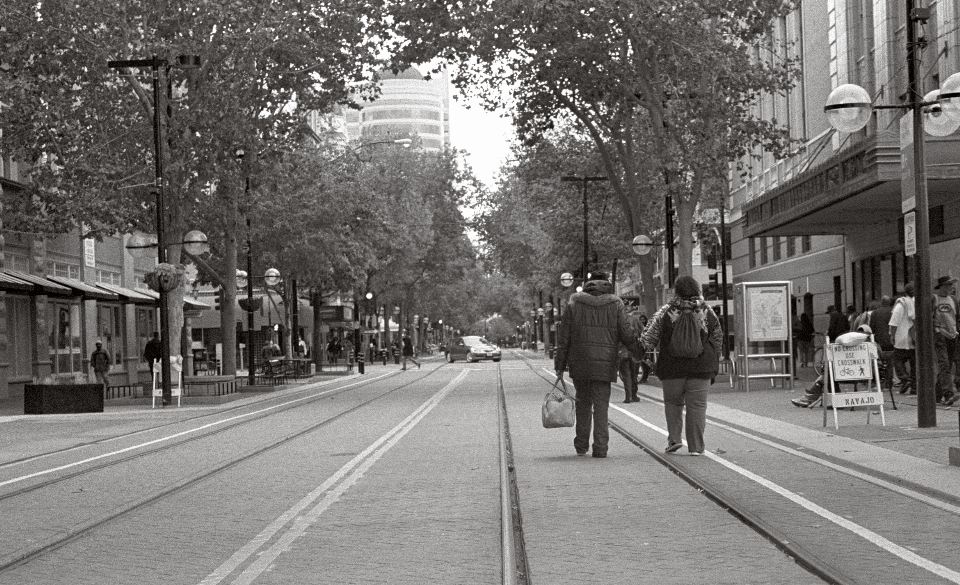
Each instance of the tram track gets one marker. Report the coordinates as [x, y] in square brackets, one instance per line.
[42, 546]
[219, 412]
[516, 566]
[803, 557]
[714, 483]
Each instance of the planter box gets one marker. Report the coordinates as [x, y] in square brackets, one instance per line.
[62, 398]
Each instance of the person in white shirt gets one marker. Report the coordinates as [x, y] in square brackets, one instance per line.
[902, 334]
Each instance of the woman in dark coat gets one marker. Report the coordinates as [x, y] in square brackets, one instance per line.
[685, 379]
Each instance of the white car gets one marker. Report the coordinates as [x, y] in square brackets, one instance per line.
[472, 348]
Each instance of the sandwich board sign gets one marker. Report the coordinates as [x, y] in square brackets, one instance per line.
[856, 362]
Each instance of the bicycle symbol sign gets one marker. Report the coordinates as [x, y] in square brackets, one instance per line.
[851, 362]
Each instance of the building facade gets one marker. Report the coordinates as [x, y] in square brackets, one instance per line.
[828, 217]
[408, 105]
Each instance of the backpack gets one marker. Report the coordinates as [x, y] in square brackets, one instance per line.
[685, 338]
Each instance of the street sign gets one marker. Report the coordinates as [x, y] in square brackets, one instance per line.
[910, 233]
[850, 363]
[853, 363]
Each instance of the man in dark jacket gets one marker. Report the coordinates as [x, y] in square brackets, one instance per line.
[838, 324]
[594, 325]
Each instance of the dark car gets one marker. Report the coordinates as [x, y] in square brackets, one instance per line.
[472, 348]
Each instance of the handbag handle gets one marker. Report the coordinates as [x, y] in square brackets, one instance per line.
[562, 383]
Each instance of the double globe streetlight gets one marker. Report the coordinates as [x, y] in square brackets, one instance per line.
[245, 280]
[848, 109]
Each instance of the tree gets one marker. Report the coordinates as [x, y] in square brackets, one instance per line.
[666, 90]
[83, 131]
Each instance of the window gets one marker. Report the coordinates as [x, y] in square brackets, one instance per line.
[791, 246]
[110, 332]
[776, 248]
[66, 270]
[18, 320]
[17, 262]
[805, 244]
[764, 253]
[753, 253]
[109, 277]
[64, 335]
[146, 325]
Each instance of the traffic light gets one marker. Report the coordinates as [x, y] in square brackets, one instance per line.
[218, 301]
[712, 290]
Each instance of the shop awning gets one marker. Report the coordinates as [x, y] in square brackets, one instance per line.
[191, 303]
[84, 290]
[13, 284]
[128, 295]
[41, 285]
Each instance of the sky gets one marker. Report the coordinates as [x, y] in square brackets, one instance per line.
[484, 135]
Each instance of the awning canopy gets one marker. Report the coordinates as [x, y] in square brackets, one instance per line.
[40, 284]
[127, 295]
[192, 303]
[12, 283]
[85, 290]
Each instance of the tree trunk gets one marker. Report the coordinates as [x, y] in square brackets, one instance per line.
[685, 208]
[228, 306]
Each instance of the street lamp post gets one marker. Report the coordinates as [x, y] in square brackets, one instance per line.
[848, 109]
[154, 63]
[245, 279]
[586, 245]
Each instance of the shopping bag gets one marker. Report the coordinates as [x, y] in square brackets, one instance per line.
[558, 408]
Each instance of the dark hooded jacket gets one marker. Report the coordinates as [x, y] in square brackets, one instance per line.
[592, 327]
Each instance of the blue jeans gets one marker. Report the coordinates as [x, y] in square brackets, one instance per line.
[692, 393]
[593, 401]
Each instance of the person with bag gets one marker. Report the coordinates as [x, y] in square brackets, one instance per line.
[902, 332]
[689, 336]
[594, 325]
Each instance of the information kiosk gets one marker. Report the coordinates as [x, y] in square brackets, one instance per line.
[764, 341]
[853, 362]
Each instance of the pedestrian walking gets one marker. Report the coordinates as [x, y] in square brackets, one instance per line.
[408, 350]
[680, 328]
[945, 336]
[153, 351]
[879, 323]
[838, 324]
[904, 344]
[805, 339]
[645, 365]
[100, 362]
[629, 366]
[593, 326]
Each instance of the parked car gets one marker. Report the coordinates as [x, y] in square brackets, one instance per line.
[472, 348]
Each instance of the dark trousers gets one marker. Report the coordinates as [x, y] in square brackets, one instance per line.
[629, 371]
[946, 352]
[902, 358]
[593, 401]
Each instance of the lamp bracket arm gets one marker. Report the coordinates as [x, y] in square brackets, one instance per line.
[211, 273]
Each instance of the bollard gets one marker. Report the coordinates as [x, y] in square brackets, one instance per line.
[360, 364]
[383, 354]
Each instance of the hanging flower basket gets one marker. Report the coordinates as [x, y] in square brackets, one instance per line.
[165, 278]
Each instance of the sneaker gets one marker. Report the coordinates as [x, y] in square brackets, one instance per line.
[599, 455]
[804, 401]
[581, 453]
[950, 401]
[673, 447]
[696, 453]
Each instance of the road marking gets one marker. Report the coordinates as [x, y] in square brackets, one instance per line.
[177, 435]
[868, 535]
[301, 522]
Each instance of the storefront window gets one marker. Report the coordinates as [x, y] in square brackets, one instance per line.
[19, 333]
[110, 332]
[146, 325]
[64, 334]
